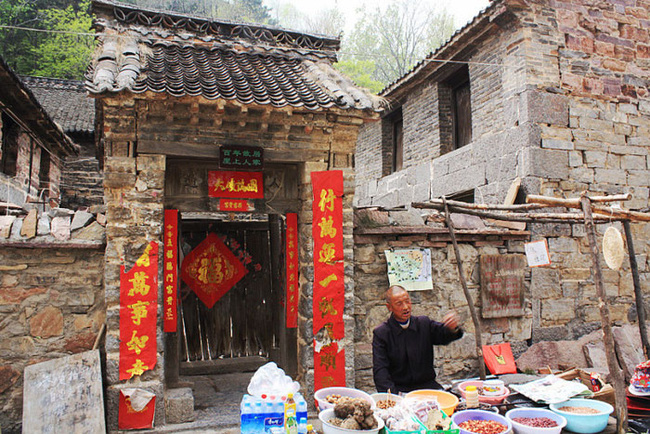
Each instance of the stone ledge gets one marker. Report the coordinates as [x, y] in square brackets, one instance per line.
[53, 244]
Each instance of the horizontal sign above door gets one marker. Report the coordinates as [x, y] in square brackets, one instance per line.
[241, 157]
[240, 185]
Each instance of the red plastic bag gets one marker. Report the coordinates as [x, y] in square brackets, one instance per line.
[499, 359]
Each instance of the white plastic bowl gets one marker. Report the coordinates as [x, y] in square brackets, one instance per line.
[535, 412]
[326, 415]
[383, 396]
[321, 394]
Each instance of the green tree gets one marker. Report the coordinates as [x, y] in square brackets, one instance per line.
[247, 11]
[67, 49]
[397, 37]
[15, 44]
[361, 72]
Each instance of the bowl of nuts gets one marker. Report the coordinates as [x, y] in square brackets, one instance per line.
[531, 420]
[481, 422]
[329, 396]
[386, 400]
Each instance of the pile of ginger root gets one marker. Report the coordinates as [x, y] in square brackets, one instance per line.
[354, 413]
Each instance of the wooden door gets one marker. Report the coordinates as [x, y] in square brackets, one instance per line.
[244, 328]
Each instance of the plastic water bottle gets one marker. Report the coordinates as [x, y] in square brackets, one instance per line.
[258, 417]
[301, 414]
[246, 417]
[289, 408]
[290, 423]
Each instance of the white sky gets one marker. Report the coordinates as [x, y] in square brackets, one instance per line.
[462, 10]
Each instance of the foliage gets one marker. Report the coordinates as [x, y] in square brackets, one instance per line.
[15, 45]
[361, 71]
[397, 37]
[65, 55]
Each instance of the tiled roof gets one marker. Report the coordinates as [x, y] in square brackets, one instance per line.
[66, 101]
[20, 103]
[189, 56]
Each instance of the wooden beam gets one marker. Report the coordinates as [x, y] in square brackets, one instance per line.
[610, 352]
[400, 230]
[478, 331]
[622, 214]
[640, 305]
[195, 150]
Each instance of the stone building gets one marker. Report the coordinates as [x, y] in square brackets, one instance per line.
[68, 104]
[554, 93]
[51, 259]
[33, 147]
[171, 91]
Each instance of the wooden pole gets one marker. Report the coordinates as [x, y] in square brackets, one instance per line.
[640, 305]
[615, 370]
[528, 218]
[472, 310]
[575, 202]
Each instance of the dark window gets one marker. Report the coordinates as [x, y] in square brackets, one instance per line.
[463, 196]
[398, 143]
[10, 131]
[455, 110]
[392, 142]
[44, 172]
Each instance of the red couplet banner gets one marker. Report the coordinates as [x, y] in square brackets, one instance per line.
[329, 285]
[138, 314]
[170, 271]
[292, 270]
[242, 185]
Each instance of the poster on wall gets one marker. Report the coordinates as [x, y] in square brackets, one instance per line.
[409, 268]
[329, 285]
[138, 314]
[502, 285]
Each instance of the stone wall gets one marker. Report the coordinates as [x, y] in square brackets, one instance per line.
[52, 305]
[567, 110]
[560, 300]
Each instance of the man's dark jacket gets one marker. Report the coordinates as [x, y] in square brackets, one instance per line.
[402, 359]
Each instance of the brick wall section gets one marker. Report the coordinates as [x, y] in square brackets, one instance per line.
[52, 305]
[82, 183]
[421, 126]
[571, 113]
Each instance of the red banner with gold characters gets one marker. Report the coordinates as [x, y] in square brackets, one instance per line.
[292, 270]
[138, 312]
[170, 271]
[237, 205]
[242, 185]
[211, 270]
[329, 285]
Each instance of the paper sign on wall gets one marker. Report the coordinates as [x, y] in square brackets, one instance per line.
[537, 253]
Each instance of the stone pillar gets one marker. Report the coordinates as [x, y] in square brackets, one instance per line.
[133, 189]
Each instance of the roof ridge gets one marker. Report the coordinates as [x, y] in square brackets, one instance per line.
[69, 83]
[130, 14]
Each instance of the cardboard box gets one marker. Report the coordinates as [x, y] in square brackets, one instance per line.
[606, 392]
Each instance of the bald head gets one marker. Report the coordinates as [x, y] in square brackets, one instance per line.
[393, 291]
[398, 302]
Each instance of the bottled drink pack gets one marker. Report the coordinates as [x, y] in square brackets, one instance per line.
[262, 415]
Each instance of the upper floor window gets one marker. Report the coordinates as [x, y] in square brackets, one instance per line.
[10, 131]
[393, 142]
[455, 110]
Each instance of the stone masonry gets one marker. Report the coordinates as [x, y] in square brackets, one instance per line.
[560, 98]
[52, 305]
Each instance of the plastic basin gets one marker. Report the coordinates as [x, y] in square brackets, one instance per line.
[447, 401]
[321, 395]
[584, 423]
[535, 412]
[498, 399]
[465, 415]
[384, 396]
[326, 415]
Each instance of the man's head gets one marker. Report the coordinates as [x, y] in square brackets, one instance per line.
[398, 302]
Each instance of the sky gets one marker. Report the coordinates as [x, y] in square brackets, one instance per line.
[462, 10]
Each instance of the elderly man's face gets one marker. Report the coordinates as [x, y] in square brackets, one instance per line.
[400, 306]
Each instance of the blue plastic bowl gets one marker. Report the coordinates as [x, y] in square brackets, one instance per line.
[584, 423]
[465, 415]
[520, 428]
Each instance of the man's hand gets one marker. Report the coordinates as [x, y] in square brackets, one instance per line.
[451, 321]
